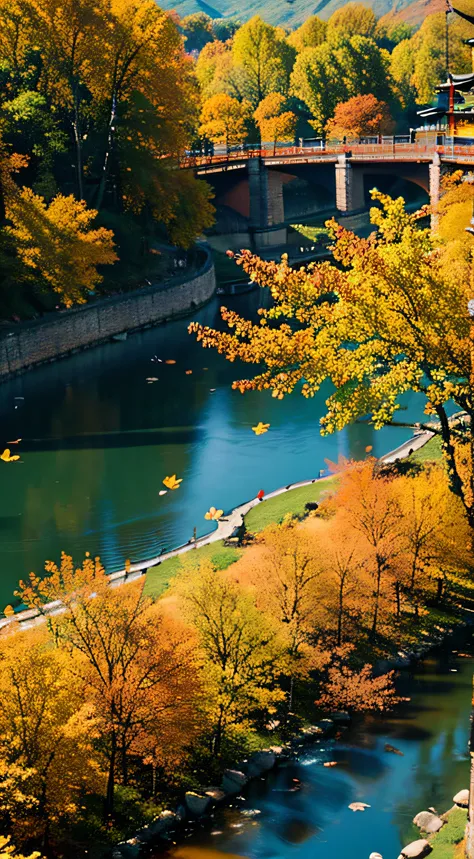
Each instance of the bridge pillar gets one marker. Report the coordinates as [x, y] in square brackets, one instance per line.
[349, 186]
[435, 189]
[266, 205]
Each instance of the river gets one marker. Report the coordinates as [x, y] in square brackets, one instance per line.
[275, 821]
[98, 439]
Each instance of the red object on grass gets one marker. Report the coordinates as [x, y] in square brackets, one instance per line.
[260, 494]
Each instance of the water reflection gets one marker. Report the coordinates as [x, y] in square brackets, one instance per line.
[314, 821]
[98, 440]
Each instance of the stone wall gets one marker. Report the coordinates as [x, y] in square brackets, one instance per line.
[47, 339]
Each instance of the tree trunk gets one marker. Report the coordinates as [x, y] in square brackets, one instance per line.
[439, 593]
[373, 631]
[77, 140]
[109, 796]
[397, 597]
[108, 152]
[339, 617]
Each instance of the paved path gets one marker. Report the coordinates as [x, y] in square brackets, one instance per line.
[224, 529]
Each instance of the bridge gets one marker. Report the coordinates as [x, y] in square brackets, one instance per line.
[259, 192]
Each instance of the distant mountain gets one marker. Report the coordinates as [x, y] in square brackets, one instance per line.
[292, 13]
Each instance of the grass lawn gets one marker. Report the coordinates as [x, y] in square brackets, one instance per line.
[275, 509]
[158, 578]
[447, 843]
[431, 451]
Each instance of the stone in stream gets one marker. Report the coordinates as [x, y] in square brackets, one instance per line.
[358, 806]
[428, 822]
[196, 803]
[462, 799]
[416, 849]
[375, 856]
[260, 762]
[233, 781]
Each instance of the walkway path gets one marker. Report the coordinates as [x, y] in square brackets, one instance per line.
[224, 529]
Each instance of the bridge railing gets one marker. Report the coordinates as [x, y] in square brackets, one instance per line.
[372, 151]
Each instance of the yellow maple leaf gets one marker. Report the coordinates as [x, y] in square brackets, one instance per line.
[261, 428]
[172, 482]
[7, 457]
[214, 514]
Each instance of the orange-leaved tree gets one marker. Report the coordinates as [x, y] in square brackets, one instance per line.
[360, 116]
[358, 691]
[274, 121]
[133, 665]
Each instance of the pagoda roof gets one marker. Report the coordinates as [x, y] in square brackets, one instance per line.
[461, 82]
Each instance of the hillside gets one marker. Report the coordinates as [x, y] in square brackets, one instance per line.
[288, 13]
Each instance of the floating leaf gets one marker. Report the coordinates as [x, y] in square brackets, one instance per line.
[188, 372]
[172, 482]
[163, 492]
[17, 440]
[261, 428]
[170, 361]
[214, 514]
[7, 457]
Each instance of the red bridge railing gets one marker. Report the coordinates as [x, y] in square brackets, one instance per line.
[369, 151]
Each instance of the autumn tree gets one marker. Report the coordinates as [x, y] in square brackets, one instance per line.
[317, 79]
[47, 728]
[402, 67]
[358, 691]
[131, 664]
[8, 850]
[345, 575]
[265, 55]
[360, 116]
[310, 34]
[353, 19]
[57, 244]
[390, 321]
[224, 119]
[197, 31]
[243, 655]
[273, 121]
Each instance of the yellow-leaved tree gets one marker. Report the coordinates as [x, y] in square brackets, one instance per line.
[274, 122]
[389, 318]
[224, 119]
[57, 243]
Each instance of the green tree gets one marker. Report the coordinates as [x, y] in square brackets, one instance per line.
[266, 57]
[317, 80]
[402, 68]
[197, 31]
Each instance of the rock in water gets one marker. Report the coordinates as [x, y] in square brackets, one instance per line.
[462, 799]
[358, 806]
[428, 822]
[375, 856]
[416, 849]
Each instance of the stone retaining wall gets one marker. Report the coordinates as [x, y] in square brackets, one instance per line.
[47, 339]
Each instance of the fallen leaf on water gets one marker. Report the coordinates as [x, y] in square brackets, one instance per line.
[358, 806]
[7, 457]
[15, 442]
[212, 390]
[170, 361]
[172, 482]
[261, 428]
[163, 492]
[330, 764]
[188, 372]
[152, 379]
[212, 513]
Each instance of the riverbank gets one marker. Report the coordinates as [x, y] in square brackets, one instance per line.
[333, 749]
[30, 344]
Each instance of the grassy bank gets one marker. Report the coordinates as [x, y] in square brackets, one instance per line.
[158, 577]
[293, 501]
[448, 843]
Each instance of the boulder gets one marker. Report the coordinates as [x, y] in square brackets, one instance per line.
[428, 822]
[259, 763]
[196, 803]
[215, 793]
[375, 856]
[416, 849]
[163, 823]
[462, 799]
[233, 781]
